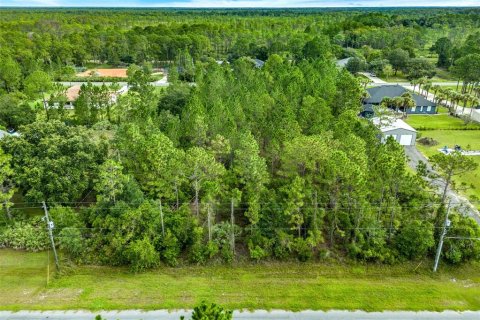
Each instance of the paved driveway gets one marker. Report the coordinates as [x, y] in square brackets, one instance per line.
[457, 201]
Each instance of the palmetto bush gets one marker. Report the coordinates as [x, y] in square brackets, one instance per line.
[25, 236]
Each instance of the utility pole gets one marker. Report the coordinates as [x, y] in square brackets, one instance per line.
[50, 227]
[232, 221]
[315, 210]
[161, 219]
[446, 224]
[209, 222]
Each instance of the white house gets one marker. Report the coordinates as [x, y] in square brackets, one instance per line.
[401, 131]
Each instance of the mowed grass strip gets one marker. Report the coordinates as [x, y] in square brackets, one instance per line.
[440, 122]
[290, 286]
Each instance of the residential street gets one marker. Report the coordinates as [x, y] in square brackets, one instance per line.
[255, 315]
[378, 81]
[461, 203]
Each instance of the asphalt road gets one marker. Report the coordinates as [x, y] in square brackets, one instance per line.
[255, 315]
[376, 81]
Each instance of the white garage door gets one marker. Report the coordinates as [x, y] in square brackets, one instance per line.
[406, 139]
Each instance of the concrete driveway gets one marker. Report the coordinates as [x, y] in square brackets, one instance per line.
[457, 201]
[375, 80]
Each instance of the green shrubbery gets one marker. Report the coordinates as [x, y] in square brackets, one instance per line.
[25, 235]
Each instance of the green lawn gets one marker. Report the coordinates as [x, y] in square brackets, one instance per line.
[467, 140]
[440, 122]
[291, 286]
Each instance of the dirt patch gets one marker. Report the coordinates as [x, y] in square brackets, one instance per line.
[426, 141]
[115, 73]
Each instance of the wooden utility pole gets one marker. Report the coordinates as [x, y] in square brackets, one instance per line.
[315, 211]
[197, 210]
[209, 222]
[446, 224]
[232, 221]
[161, 218]
[50, 227]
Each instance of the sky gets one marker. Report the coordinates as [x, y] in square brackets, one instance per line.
[236, 3]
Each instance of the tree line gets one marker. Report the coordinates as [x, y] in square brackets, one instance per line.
[243, 163]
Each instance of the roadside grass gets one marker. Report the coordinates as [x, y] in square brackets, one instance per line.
[289, 286]
[440, 122]
[467, 139]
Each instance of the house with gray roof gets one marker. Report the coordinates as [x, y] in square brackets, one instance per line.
[376, 95]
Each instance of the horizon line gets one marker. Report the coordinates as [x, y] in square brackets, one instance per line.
[228, 7]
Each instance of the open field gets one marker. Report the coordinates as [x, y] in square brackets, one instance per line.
[447, 130]
[440, 122]
[291, 286]
[441, 76]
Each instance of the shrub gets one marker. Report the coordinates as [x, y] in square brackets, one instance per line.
[72, 241]
[415, 239]
[197, 254]
[141, 255]
[210, 312]
[64, 218]
[170, 249]
[462, 250]
[259, 246]
[222, 235]
[426, 141]
[283, 245]
[303, 249]
[256, 252]
[25, 236]
[211, 250]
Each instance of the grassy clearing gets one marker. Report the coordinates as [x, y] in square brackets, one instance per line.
[290, 286]
[439, 122]
[467, 140]
[442, 76]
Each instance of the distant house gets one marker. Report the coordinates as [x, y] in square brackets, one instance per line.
[72, 95]
[258, 63]
[74, 92]
[376, 95]
[403, 133]
[8, 134]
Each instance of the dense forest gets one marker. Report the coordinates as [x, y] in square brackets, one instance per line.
[231, 161]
